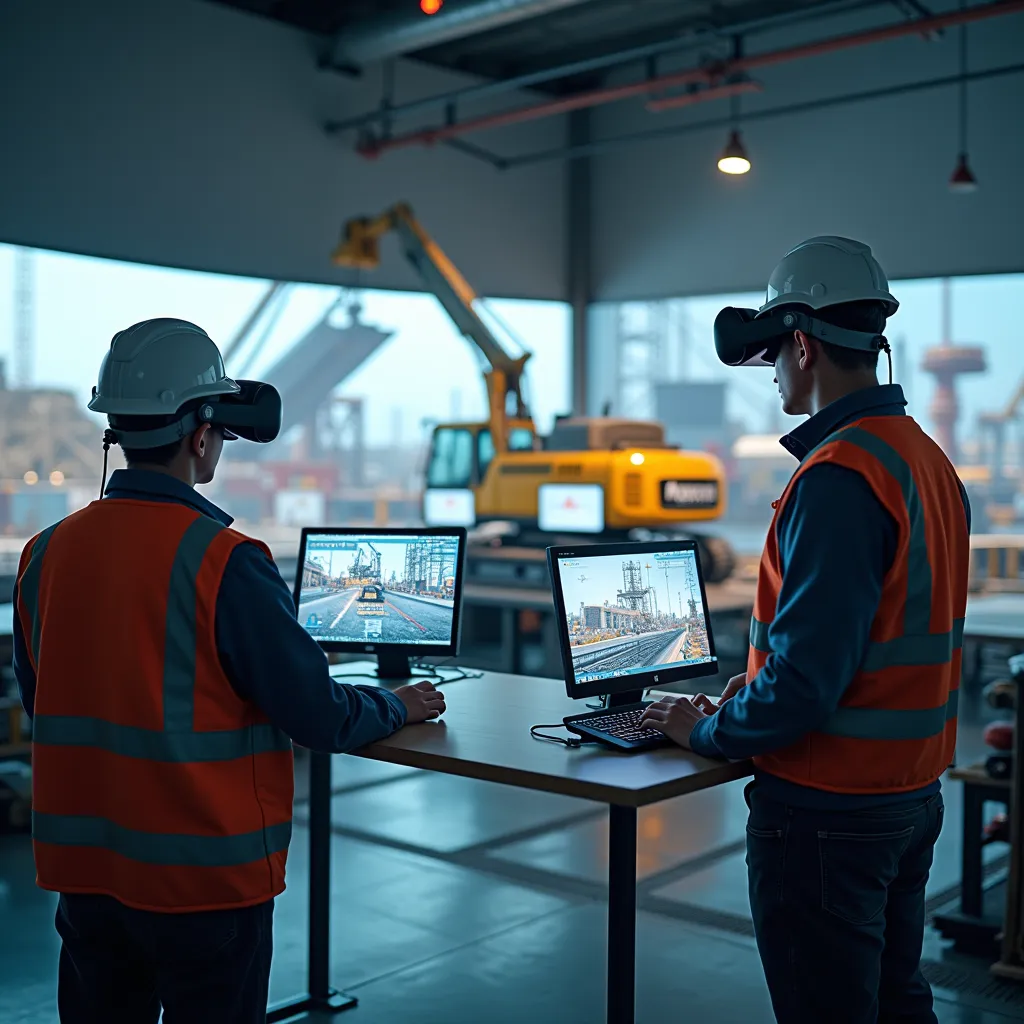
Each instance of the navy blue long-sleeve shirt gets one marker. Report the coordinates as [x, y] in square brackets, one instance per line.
[266, 655]
[836, 544]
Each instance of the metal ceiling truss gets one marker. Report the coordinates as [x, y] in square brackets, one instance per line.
[710, 80]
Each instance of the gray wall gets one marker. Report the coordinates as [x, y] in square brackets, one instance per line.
[185, 133]
[188, 134]
[668, 223]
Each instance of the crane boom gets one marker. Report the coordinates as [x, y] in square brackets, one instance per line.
[1014, 403]
[359, 248]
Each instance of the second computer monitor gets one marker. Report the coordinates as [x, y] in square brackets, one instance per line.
[631, 616]
[389, 592]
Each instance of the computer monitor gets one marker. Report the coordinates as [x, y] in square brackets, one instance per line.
[389, 592]
[630, 617]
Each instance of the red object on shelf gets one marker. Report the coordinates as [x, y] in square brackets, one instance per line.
[997, 830]
[999, 735]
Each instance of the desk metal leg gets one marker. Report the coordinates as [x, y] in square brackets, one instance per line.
[320, 996]
[622, 915]
[971, 895]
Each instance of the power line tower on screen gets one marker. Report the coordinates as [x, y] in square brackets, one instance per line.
[634, 595]
[691, 586]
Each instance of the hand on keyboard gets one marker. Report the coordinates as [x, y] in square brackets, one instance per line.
[675, 717]
[623, 724]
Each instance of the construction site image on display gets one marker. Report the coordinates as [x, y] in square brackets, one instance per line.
[647, 486]
[632, 615]
[386, 589]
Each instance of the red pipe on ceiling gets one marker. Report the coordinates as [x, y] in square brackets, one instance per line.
[713, 92]
[709, 74]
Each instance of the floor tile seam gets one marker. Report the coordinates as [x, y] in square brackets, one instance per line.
[534, 831]
[460, 947]
[509, 839]
[358, 787]
[546, 881]
[478, 860]
[724, 921]
[685, 868]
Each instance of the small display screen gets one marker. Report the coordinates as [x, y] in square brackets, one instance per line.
[570, 508]
[628, 615]
[449, 507]
[379, 589]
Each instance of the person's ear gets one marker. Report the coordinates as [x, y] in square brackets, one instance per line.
[200, 440]
[806, 353]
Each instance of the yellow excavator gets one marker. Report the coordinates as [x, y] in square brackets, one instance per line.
[646, 484]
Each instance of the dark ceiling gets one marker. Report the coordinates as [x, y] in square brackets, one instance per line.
[567, 33]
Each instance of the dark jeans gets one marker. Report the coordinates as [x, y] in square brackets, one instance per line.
[120, 964]
[837, 899]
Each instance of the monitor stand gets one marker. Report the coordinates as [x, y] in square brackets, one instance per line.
[619, 700]
[393, 664]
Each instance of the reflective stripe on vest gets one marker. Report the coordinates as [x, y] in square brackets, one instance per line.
[917, 613]
[930, 649]
[166, 849]
[887, 724]
[177, 741]
[917, 646]
[28, 590]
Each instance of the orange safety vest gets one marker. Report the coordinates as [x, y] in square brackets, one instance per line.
[895, 727]
[152, 780]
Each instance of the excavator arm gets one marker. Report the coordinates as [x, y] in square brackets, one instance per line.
[359, 249]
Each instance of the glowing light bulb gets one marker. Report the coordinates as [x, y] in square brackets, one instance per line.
[431, 6]
[56, 478]
[637, 458]
[31, 477]
[734, 159]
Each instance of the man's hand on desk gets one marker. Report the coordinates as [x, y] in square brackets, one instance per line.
[422, 701]
[676, 716]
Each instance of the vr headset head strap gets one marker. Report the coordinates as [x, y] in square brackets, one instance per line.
[864, 341]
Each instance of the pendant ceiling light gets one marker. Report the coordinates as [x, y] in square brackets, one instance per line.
[962, 179]
[734, 159]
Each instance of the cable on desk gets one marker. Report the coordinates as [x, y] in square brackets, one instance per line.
[436, 670]
[420, 673]
[567, 741]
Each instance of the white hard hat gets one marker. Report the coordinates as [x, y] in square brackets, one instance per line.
[825, 271]
[156, 366]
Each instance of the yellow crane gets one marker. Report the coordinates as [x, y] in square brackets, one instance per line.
[646, 483]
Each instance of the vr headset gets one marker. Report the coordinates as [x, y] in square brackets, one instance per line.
[741, 339]
[253, 414]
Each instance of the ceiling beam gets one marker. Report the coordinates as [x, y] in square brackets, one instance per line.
[398, 33]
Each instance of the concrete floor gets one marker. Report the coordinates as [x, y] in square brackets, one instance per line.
[458, 901]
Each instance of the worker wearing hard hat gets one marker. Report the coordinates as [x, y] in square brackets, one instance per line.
[848, 705]
[158, 654]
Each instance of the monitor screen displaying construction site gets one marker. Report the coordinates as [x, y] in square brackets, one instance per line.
[633, 614]
[379, 589]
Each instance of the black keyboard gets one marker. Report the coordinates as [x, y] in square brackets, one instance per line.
[617, 727]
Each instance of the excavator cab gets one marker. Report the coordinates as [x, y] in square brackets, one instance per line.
[461, 453]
